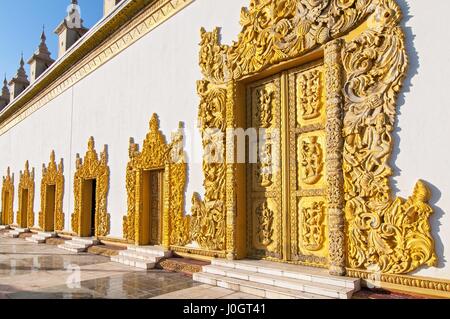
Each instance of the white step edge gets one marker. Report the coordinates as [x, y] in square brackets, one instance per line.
[345, 282]
[133, 262]
[284, 282]
[253, 288]
[155, 250]
[138, 255]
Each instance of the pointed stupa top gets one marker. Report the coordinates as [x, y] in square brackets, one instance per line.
[42, 52]
[21, 76]
[5, 89]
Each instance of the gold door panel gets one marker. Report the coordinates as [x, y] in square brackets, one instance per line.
[155, 207]
[307, 174]
[287, 214]
[264, 177]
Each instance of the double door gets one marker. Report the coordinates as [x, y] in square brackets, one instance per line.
[286, 171]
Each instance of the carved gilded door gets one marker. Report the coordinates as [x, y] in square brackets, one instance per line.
[264, 175]
[286, 185]
[155, 207]
[307, 171]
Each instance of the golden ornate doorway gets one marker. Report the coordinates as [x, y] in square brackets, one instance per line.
[156, 178]
[8, 199]
[51, 217]
[91, 184]
[25, 214]
[286, 185]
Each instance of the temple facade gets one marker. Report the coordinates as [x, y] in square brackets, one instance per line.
[300, 132]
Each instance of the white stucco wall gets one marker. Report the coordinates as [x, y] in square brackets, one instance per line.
[422, 134]
[159, 74]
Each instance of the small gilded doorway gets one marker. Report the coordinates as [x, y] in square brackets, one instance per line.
[7, 199]
[151, 217]
[91, 183]
[25, 214]
[51, 216]
[155, 183]
[286, 173]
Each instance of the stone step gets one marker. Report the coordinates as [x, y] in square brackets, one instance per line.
[72, 248]
[41, 237]
[254, 288]
[16, 232]
[153, 250]
[3, 227]
[36, 240]
[140, 255]
[306, 286]
[86, 241]
[316, 275]
[133, 262]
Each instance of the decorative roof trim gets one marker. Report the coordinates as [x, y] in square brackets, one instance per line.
[129, 22]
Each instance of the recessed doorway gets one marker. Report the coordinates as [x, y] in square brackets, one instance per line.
[88, 207]
[152, 207]
[50, 197]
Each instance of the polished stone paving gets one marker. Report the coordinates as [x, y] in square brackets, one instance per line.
[31, 271]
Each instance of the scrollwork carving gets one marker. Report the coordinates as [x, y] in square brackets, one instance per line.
[312, 226]
[392, 234]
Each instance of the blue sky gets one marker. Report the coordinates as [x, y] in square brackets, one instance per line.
[21, 26]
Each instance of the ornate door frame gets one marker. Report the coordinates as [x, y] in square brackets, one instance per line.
[92, 168]
[156, 154]
[52, 175]
[8, 187]
[26, 182]
[365, 63]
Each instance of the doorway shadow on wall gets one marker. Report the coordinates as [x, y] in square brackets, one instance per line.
[412, 71]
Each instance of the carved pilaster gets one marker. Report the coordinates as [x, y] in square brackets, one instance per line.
[333, 75]
[231, 208]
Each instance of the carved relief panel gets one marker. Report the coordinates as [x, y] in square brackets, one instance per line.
[307, 157]
[263, 172]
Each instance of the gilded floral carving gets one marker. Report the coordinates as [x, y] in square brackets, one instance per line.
[363, 75]
[388, 233]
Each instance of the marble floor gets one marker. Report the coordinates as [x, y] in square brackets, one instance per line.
[31, 271]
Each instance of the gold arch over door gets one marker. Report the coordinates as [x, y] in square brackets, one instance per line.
[51, 216]
[8, 199]
[25, 214]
